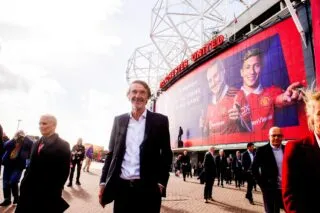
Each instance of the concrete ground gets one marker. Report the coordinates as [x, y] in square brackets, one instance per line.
[182, 197]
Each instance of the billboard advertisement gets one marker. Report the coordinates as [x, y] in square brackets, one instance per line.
[239, 94]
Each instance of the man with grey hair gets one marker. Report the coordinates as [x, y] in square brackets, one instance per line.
[217, 120]
[267, 170]
[42, 185]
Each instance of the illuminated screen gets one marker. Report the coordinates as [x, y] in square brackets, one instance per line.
[239, 94]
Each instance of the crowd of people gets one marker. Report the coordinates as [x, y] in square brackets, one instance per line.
[136, 170]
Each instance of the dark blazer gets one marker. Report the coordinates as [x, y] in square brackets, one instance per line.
[265, 169]
[301, 175]
[221, 164]
[236, 161]
[210, 170]
[246, 161]
[155, 154]
[42, 185]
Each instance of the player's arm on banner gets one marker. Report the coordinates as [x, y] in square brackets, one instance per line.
[291, 96]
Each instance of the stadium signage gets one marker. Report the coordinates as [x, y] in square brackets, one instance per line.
[208, 47]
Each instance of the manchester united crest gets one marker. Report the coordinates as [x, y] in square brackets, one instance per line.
[265, 101]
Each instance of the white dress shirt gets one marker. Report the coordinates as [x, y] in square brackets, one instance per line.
[317, 138]
[130, 167]
[278, 155]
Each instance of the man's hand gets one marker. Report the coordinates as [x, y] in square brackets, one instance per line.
[102, 187]
[234, 113]
[292, 93]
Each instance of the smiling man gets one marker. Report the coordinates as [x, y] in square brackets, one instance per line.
[136, 169]
[261, 102]
[42, 185]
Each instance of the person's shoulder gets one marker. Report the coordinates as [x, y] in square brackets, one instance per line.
[63, 143]
[123, 115]
[157, 115]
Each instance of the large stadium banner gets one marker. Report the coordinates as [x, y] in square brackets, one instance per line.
[239, 94]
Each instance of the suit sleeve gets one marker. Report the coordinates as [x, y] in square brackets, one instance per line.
[65, 167]
[107, 161]
[292, 178]
[166, 154]
[255, 167]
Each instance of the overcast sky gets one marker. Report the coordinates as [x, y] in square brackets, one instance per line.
[68, 58]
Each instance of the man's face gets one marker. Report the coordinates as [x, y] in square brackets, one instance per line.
[250, 72]
[138, 96]
[215, 79]
[47, 126]
[251, 148]
[316, 117]
[275, 137]
[185, 152]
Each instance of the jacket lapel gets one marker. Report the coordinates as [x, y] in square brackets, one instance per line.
[147, 128]
[122, 131]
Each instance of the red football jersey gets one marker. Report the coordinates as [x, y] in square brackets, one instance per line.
[217, 119]
[260, 107]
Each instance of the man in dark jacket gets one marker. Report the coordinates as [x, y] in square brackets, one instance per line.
[77, 156]
[247, 160]
[1, 146]
[221, 163]
[185, 164]
[267, 170]
[209, 173]
[42, 185]
[16, 153]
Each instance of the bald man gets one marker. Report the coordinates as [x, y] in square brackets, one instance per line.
[267, 169]
[42, 185]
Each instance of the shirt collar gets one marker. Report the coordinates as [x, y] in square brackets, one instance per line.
[275, 148]
[144, 114]
[257, 90]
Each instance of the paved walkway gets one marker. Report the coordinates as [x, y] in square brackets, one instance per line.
[182, 197]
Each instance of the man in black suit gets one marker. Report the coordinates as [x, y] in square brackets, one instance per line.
[221, 163]
[247, 160]
[237, 169]
[136, 169]
[42, 185]
[209, 173]
[185, 164]
[267, 170]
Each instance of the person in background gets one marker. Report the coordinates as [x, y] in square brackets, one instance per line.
[42, 185]
[185, 164]
[1, 146]
[89, 157]
[247, 160]
[77, 156]
[16, 153]
[237, 169]
[221, 164]
[301, 170]
[267, 170]
[209, 174]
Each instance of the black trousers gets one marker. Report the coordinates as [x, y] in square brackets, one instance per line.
[272, 200]
[238, 178]
[74, 164]
[221, 175]
[250, 183]
[137, 197]
[208, 188]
